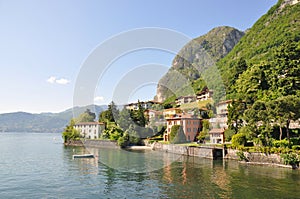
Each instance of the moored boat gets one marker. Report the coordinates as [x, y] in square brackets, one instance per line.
[83, 156]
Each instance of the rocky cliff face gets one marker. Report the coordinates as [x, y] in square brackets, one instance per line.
[194, 58]
[288, 2]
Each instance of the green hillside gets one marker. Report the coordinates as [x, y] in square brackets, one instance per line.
[262, 75]
[280, 26]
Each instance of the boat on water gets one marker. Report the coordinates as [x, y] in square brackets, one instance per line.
[83, 156]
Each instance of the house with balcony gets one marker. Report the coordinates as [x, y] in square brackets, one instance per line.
[90, 130]
[190, 124]
[204, 95]
[184, 100]
[171, 112]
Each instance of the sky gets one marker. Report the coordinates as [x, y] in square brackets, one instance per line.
[45, 43]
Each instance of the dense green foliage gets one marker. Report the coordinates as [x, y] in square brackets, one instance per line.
[125, 126]
[70, 133]
[179, 137]
[291, 159]
[239, 140]
[110, 115]
[174, 131]
[262, 76]
[259, 44]
[205, 129]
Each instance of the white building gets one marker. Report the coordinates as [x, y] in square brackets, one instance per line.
[90, 130]
[144, 105]
[185, 100]
[217, 136]
[204, 95]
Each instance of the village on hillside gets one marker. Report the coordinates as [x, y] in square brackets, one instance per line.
[190, 118]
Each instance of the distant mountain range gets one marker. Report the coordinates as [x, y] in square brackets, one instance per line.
[43, 122]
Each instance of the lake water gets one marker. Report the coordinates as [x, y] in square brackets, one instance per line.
[39, 166]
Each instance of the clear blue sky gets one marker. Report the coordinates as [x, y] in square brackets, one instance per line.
[43, 43]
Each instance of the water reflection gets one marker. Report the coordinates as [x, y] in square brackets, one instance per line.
[147, 174]
[141, 161]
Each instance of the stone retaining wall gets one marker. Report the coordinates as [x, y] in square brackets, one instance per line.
[255, 157]
[205, 152]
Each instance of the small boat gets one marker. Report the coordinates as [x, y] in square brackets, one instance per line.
[83, 156]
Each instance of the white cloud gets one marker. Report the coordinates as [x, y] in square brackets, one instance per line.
[61, 81]
[51, 80]
[99, 99]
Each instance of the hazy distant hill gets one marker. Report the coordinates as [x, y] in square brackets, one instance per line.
[44, 122]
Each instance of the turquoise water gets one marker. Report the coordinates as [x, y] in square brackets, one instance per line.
[39, 166]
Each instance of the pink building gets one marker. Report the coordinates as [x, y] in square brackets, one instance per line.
[191, 126]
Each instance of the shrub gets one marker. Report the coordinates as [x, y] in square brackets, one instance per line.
[228, 134]
[122, 142]
[280, 143]
[242, 156]
[290, 159]
[295, 141]
[296, 147]
[239, 140]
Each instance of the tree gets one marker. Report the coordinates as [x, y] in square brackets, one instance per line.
[130, 136]
[109, 115]
[205, 129]
[180, 136]
[174, 131]
[124, 120]
[87, 116]
[287, 108]
[113, 112]
[138, 116]
[235, 114]
[286, 73]
[133, 135]
[70, 133]
[177, 134]
[256, 116]
[239, 140]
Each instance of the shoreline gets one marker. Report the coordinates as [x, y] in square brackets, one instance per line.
[181, 150]
[138, 148]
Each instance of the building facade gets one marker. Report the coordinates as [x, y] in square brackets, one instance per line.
[90, 130]
[205, 95]
[144, 105]
[184, 100]
[191, 126]
[217, 136]
[172, 112]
